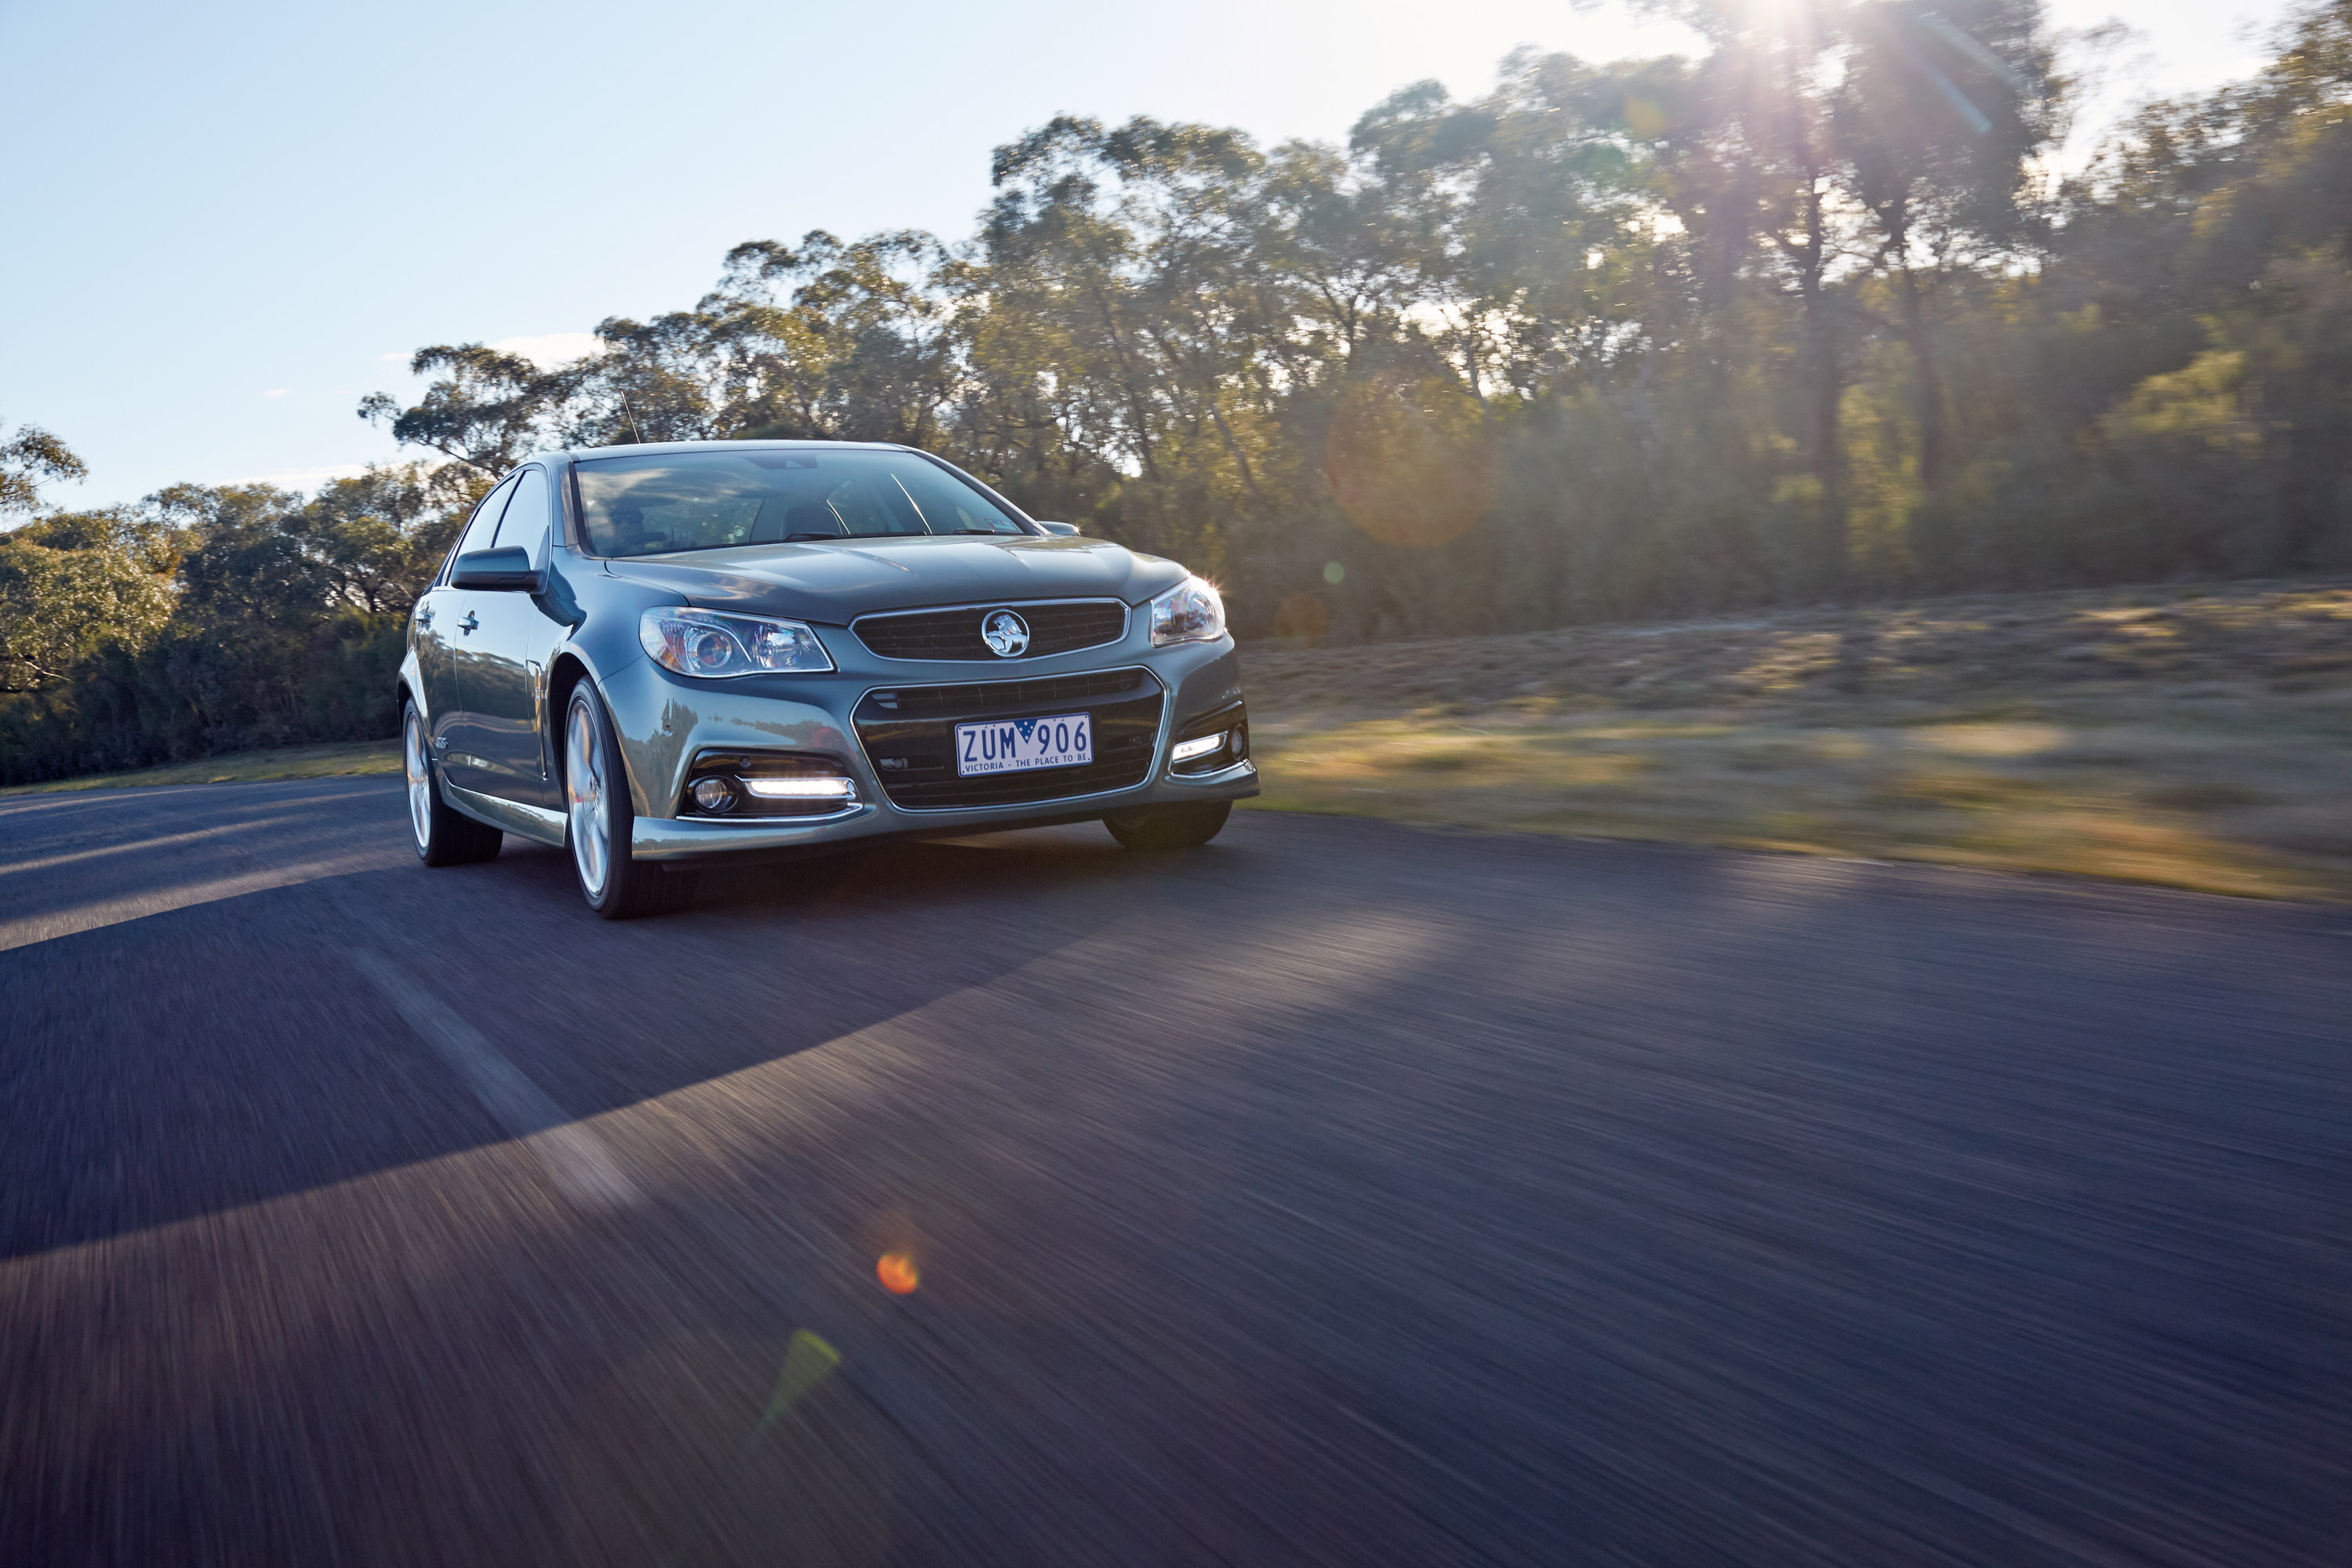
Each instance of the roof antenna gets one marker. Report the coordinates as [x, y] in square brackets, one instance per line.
[633, 420]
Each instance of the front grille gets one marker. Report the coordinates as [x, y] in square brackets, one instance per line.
[1055, 626]
[989, 698]
[909, 733]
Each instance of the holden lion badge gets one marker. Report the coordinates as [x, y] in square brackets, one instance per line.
[1007, 634]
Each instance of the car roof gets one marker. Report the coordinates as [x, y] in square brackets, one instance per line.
[638, 448]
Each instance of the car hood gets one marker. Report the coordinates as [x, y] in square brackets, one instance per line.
[837, 583]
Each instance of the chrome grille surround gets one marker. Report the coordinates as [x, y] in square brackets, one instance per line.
[953, 632]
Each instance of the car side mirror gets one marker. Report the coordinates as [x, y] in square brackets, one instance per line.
[507, 569]
[1063, 527]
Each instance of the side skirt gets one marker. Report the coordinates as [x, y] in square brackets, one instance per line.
[532, 821]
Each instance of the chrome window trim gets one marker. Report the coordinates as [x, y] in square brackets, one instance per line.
[1150, 774]
[1126, 625]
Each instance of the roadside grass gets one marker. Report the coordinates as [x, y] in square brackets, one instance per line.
[242, 767]
[2187, 737]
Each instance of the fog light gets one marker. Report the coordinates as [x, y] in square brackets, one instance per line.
[713, 796]
[803, 789]
[1186, 751]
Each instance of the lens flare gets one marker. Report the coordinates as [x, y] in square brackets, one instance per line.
[898, 1273]
[1409, 460]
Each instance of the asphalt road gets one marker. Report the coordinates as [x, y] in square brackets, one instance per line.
[1340, 1193]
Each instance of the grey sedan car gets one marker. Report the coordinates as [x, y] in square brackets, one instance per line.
[669, 655]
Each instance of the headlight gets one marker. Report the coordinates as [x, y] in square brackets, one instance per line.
[713, 645]
[1190, 612]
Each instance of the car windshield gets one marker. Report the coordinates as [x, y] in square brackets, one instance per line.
[666, 501]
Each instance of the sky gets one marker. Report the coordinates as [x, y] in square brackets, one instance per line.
[227, 223]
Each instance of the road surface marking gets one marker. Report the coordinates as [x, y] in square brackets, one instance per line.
[576, 1158]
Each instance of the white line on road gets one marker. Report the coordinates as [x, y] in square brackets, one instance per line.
[576, 1158]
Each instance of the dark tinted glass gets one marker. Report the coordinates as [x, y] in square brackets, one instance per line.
[662, 503]
[525, 523]
[482, 524]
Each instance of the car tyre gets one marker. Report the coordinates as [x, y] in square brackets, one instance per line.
[443, 834]
[1169, 826]
[599, 820]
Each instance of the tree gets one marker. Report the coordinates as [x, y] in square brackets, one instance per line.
[488, 411]
[29, 459]
[1939, 112]
[1786, 319]
[859, 348]
[378, 539]
[74, 584]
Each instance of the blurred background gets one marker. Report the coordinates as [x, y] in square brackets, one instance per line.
[1872, 432]
[1519, 319]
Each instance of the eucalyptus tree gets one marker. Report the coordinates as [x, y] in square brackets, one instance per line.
[1742, 152]
[1525, 218]
[2215, 239]
[73, 584]
[29, 459]
[377, 538]
[1123, 251]
[831, 338]
[875, 317]
[679, 376]
[484, 413]
[1350, 252]
[1939, 112]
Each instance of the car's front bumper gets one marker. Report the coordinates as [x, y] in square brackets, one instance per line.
[667, 721]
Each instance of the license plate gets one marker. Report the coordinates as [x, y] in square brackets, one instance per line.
[1015, 745]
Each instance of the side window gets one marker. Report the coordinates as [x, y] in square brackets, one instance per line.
[479, 527]
[525, 524]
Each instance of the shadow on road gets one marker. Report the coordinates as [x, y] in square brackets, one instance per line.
[206, 1047]
[1341, 1192]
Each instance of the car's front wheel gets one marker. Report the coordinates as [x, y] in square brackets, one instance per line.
[1169, 826]
[443, 834]
[599, 820]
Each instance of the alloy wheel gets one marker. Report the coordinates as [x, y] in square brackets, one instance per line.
[584, 788]
[419, 771]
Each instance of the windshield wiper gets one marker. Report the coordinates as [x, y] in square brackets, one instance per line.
[945, 532]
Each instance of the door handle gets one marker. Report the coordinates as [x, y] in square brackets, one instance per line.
[425, 615]
[469, 622]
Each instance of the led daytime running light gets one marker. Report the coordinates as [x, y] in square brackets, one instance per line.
[801, 788]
